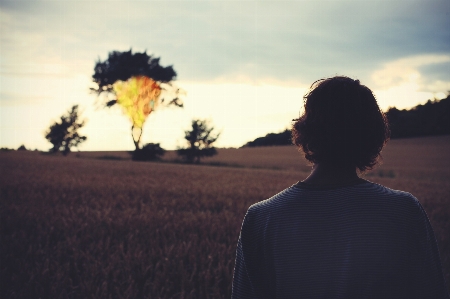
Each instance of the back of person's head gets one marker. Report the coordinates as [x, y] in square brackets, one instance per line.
[342, 124]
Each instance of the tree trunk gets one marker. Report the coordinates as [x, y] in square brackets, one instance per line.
[136, 139]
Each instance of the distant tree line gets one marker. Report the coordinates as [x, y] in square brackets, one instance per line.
[432, 118]
[283, 138]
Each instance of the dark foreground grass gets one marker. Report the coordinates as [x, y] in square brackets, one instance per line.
[86, 228]
[83, 228]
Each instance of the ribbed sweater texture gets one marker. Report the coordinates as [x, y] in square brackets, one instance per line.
[362, 240]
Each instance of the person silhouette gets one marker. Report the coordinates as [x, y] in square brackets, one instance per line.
[334, 234]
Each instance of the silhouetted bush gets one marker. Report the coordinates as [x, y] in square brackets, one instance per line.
[149, 152]
[22, 148]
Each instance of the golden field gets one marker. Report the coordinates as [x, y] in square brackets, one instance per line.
[97, 225]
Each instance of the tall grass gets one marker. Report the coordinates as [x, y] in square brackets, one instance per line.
[78, 228]
[88, 228]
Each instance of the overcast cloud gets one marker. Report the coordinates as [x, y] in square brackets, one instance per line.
[207, 40]
[290, 43]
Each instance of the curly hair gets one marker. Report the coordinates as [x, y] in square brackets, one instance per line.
[341, 125]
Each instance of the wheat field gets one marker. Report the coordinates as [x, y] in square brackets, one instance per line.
[97, 225]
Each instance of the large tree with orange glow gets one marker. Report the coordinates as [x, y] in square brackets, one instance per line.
[137, 83]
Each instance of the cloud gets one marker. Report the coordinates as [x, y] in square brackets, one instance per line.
[52, 70]
[407, 70]
[291, 40]
[13, 99]
[401, 83]
[225, 53]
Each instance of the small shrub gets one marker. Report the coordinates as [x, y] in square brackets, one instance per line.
[149, 152]
[109, 157]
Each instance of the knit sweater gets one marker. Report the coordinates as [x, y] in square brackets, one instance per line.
[361, 240]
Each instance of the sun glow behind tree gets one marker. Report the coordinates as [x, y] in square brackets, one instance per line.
[135, 81]
[138, 97]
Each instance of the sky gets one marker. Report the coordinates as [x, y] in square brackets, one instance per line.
[244, 65]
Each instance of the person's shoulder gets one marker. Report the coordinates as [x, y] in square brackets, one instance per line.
[393, 199]
[263, 210]
[275, 201]
[384, 191]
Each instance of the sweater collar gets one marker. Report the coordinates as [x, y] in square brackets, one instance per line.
[354, 182]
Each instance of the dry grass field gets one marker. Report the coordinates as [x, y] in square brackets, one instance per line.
[96, 225]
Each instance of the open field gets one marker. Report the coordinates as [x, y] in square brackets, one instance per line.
[89, 226]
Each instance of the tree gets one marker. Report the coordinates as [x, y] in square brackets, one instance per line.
[200, 141]
[64, 135]
[138, 84]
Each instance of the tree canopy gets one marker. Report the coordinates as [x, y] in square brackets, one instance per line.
[138, 96]
[124, 65]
